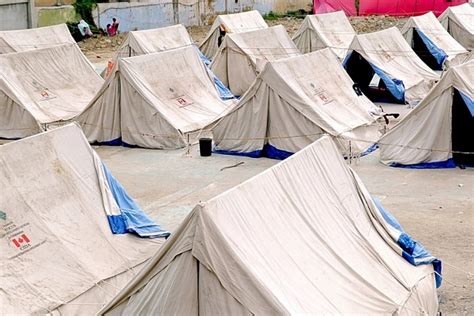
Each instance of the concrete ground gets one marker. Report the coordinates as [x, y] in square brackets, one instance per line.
[434, 206]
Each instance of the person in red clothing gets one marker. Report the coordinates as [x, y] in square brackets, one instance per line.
[112, 29]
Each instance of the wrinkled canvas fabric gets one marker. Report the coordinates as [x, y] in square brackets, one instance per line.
[303, 237]
[295, 101]
[231, 23]
[57, 250]
[44, 87]
[424, 135]
[154, 40]
[459, 21]
[428, 25]
[37, 38]
[155, 101]
[319, 31]
[243, 55]
[391, 56]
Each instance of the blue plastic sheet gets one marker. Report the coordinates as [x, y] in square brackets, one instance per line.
[469, 102]
[427, 165]
[413, 252]
[395, 86]
[223, 91]
[435, 51]
[268, 151]
[131, 219]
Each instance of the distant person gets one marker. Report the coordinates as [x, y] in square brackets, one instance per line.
[222, 32]
[115, 25]
[110, 30]
[84, 28]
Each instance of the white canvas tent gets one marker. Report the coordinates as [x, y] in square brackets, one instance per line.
[30, 39]
[439, 129]
[319, 31]
[43, 87]
[433, 44]
[302, 238]
[293, 102]
[230, 23]
[154, 40]
[242, 55]
[387, 54]
[159, 100]
[58, 254]
[151, 41]
[459, 21]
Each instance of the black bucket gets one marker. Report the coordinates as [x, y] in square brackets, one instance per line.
[205, 146]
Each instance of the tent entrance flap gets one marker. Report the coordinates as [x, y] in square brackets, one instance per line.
[362, 72]
[431, 55]
[462, 130]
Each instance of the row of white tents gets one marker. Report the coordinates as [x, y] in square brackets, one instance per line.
[267, 246]
[160, 94]
[69, 232]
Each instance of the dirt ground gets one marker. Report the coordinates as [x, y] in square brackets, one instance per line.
[99, 49]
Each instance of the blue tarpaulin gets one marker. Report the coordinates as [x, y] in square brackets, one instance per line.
[469, 102]
[395, 86]
[131, 219]
[413, 252]
[223, 91]
[427, 165]
[436, 52]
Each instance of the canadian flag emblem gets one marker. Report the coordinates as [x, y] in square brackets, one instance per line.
[20, 241]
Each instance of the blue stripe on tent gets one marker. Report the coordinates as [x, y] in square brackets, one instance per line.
[131, 219]
[223, 91]
[395, 86]
[346, 59]
[427, 165]
[413, 252]
[469, 102]
[275, 153]
[203, 57]
[251, 154]
[113, 142]
[370, 150]
[435, 51]
[268, 151]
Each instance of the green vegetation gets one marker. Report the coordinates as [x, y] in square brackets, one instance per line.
[299, 14]
[84, 9]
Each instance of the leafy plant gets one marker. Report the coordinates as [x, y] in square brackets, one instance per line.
[84, 9]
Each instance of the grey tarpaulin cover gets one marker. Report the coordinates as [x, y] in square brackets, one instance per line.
[406, 76]
[459, 21]
[57, 251]
[302, 238]
[30, 39]
[242, 55]
[293, 102]
[437, 39]
[319, 31]
[43, 87]
[424, 136]
[155, 101]
[231, 23]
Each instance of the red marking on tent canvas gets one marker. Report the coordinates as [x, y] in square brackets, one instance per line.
[21, 241]
[322, 95]
[183, 101]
